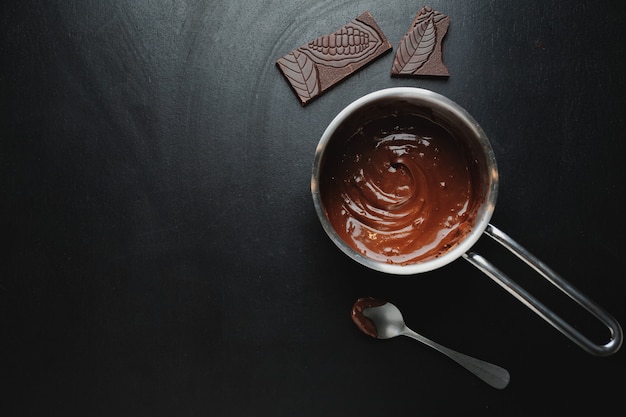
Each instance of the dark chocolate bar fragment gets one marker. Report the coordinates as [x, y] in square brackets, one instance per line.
[419, 51]
[320, 64]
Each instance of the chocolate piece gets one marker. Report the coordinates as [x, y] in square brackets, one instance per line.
[320, 64]
[366, 324]
[419, 51]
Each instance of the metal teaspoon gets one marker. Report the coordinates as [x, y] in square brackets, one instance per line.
[388, 323]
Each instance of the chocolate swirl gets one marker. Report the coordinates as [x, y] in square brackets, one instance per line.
[398, 190]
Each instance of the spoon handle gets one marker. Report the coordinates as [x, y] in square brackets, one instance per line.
[492, 374]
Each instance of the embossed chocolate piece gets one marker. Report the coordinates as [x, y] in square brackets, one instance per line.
[314, 68]
[419, 51]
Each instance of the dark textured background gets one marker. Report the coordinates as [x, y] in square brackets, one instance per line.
[161, 254]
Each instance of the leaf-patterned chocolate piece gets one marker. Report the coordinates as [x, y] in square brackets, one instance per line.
[301, 72]
[415, 49]
[419, 51]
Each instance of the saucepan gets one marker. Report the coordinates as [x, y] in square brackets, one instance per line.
[406, 103]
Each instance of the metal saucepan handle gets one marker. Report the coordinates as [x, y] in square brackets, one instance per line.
[537, 306]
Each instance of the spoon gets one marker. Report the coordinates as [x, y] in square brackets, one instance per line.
[383, 320]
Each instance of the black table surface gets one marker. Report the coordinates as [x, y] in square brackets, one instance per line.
[162, 255]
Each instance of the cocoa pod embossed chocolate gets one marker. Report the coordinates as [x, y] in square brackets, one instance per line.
[352, 43]
[314, 68]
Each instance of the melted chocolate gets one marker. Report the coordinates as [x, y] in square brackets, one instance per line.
[365, 323]
[398, 189]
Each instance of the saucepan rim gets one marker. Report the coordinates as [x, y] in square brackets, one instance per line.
[440, 105]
